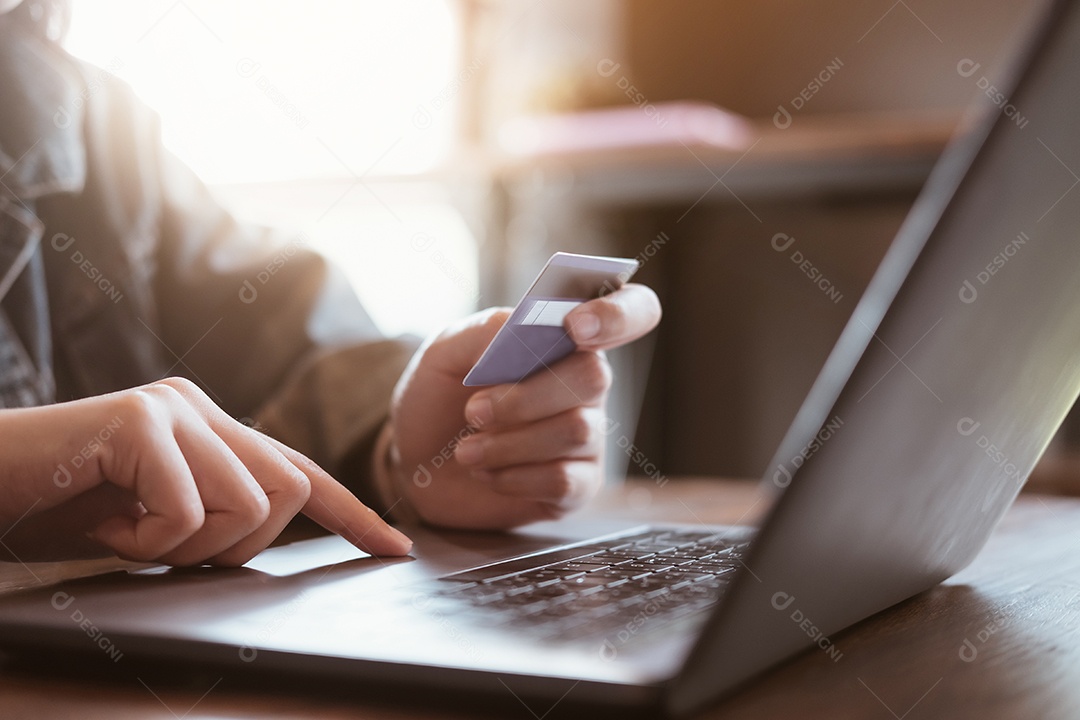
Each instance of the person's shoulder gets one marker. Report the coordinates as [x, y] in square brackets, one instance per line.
[103, 88]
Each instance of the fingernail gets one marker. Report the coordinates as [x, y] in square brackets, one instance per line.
[584, 326]
[405, 540]
[479, 411]
[470, 452]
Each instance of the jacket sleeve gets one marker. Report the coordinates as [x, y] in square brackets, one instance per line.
[271, 330]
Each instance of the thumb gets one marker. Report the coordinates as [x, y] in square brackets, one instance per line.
[459, 346]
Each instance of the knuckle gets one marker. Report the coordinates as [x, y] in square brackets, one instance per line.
[184, 387]
[560, 482]
[256, 509]
[596, 374]
[141, 408]
[297, 488]
[187, 519]
[578, 427]
[163, 393]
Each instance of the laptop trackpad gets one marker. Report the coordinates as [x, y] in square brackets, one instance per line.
[305, 555]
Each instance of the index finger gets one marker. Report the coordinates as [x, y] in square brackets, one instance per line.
[336, 509]
[616, 319]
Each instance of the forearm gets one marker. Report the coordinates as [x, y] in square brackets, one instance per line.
[49, 453]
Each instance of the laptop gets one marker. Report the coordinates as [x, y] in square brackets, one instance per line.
[955, 370]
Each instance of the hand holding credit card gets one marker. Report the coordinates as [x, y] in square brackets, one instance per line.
[534, 336]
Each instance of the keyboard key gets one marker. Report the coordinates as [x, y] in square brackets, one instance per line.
[595, 589]
[513, 567]
[584, 566]
[590, 580]
[613, 559]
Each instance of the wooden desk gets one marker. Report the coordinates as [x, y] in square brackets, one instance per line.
[1000, 640]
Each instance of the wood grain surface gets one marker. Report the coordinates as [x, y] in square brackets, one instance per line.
[999, 640]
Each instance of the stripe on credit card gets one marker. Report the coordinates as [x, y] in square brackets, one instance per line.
[548, 312]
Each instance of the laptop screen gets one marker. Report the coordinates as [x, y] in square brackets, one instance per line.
[949, 381]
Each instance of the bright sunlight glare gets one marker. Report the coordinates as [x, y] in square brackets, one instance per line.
[278, 89]
[313, 116]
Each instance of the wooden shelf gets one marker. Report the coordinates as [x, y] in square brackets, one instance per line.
[816, 154]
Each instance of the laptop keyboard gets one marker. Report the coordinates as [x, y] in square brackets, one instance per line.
[595, 589]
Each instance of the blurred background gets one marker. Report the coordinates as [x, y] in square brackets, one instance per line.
[757, 157]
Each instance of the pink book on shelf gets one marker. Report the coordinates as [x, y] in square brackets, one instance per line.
[630, 126]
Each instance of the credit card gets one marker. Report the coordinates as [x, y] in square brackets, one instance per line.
[534, 337]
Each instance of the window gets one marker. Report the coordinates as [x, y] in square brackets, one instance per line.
[332, 117]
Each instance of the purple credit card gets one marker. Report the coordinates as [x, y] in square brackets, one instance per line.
[534, 337]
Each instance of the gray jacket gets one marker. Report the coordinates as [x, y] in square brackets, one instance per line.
[118, 268]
